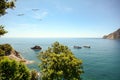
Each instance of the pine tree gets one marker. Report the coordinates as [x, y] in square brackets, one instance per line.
[59, 63]
[5, 4]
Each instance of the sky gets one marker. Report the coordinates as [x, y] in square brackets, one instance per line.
[62, 18]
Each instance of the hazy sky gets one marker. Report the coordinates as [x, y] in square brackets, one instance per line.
[62, 18]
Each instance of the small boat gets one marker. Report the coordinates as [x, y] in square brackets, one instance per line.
[36, 48]
[77, 47]
[86, 46]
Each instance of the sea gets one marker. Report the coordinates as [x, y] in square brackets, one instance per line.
[100, 62]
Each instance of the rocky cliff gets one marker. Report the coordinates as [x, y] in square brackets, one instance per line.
[8, 51]
[16, 56]
[114, 35]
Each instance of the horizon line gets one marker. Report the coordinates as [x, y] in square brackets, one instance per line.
[51, 37]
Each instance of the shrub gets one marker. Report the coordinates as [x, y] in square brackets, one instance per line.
[6, 47]
[13, 70]
[58, 63]
[2, 53]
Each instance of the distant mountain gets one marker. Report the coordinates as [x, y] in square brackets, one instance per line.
[114, 35]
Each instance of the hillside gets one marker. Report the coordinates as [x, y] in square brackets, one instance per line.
[114, 35]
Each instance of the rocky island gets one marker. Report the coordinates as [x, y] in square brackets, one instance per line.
[36, 48]
[114, 35]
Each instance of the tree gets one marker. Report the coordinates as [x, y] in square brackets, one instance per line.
[5, 4]
[13, 70]
[2, 30]
[10, 69]
[59, 63]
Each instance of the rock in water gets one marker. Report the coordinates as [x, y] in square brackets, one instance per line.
[114, 35]
[36, 48]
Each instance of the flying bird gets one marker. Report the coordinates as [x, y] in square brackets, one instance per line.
[35, 9]
[20, 14]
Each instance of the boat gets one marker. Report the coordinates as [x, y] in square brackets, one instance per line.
[36, 48]
[77, 47]
[86, 46]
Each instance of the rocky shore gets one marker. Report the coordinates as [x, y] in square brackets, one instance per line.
[16, 56]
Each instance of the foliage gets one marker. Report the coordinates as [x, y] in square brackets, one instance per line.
[6, 48]
[12, 70]
[58, 63]
[2, 30]
[34, 75]
[2, 52]
[5, 4]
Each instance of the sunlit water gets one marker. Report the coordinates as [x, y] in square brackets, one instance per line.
[100, 62]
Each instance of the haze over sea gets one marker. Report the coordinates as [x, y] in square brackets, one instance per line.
[100, 62]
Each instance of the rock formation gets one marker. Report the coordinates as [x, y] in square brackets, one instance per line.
[7, 50]
[16, 56]
[36, 48]
[114, 35]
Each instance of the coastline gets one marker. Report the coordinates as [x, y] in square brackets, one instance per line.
[16, 56]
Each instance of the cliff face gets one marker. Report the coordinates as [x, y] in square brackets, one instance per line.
[114, 35]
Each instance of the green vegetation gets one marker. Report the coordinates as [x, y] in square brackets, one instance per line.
[12, 70]
[2, 30]
[2, 52]
[5, 4]
[58, 63]
[5, 49]
[9, 68]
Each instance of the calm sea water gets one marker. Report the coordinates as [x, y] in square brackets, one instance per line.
[100, 62]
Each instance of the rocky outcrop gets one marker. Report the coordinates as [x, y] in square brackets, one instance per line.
[77, 47]
[36, 48]
[15, 53]
[7, 50]
[16, 56]
[114, 35]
